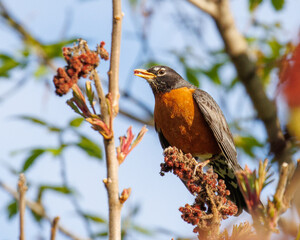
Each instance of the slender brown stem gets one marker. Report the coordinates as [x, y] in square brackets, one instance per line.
[112, 181]
[113, 73]
[281, 186]
[54, 228]
[39, 210]
[292, 187]
[22, 204]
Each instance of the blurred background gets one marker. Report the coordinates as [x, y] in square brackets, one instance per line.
[63, 159]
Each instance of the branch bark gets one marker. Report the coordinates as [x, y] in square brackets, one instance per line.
[22, 204]
[54, 228]
[112, 181]
[236, 47]
[113, 73]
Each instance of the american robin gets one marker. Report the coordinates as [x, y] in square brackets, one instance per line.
[188, 118]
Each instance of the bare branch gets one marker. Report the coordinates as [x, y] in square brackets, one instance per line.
[207, 6]
[292, 187]
[54, 228]
[283, 178]
[236, 47]
[112, 181]
[113, 73]
[39, 210]
[22, 204]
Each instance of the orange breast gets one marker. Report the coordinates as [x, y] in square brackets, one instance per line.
[178, 117]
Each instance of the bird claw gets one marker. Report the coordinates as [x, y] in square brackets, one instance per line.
[203, 164]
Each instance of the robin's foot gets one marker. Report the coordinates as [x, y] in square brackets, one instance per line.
[202, 164]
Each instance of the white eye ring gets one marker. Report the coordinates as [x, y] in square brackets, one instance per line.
[161, 72]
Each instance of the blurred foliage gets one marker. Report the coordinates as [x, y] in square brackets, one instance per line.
[87, 145]
[7, 63]
[277, 4]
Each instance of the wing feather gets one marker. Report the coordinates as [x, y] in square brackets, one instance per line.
[216, 120]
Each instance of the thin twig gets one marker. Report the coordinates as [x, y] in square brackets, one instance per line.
[207, 6]
[22, 204]
[112, 181]
[39, 210]
[54, 228]
[113, 73]
[281, 186]
[292, 187]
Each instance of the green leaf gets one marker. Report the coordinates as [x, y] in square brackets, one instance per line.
[12, 209]
[37, 217]
[34, 120]
[247, 144]
[90, 147]
[133, 3]
[42, 70]
[74, 107]
[213, 73]
[94, 218]
[142, 230]
[234, 81]
[191, 75]
[275, 47]
[253, 4]
[7, 63]
[100, 234]
[56, 151]
[41, 122]
[35, 153]
[54, 50]
[59, 189]
[76, 122]
[277, 4]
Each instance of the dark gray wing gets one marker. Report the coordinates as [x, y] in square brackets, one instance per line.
[216, 120]
[163, 141]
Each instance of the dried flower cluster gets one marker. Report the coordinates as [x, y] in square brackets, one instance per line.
[211, 204]
[102, 51]
[80, 62]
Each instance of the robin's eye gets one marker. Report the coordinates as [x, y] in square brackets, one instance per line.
[161, 72]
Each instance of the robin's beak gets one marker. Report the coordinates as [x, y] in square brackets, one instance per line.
[144, 74]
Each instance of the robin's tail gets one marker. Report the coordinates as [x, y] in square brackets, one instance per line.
[227, 173]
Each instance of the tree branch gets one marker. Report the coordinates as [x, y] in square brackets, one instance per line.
[112, 181]
[292, 187]
[205, 5]
[236, 47]
[22, 204]
[39, 210]
[113, 73]
[54, 228]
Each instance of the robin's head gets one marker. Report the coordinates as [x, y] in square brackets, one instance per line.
[162, 79]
